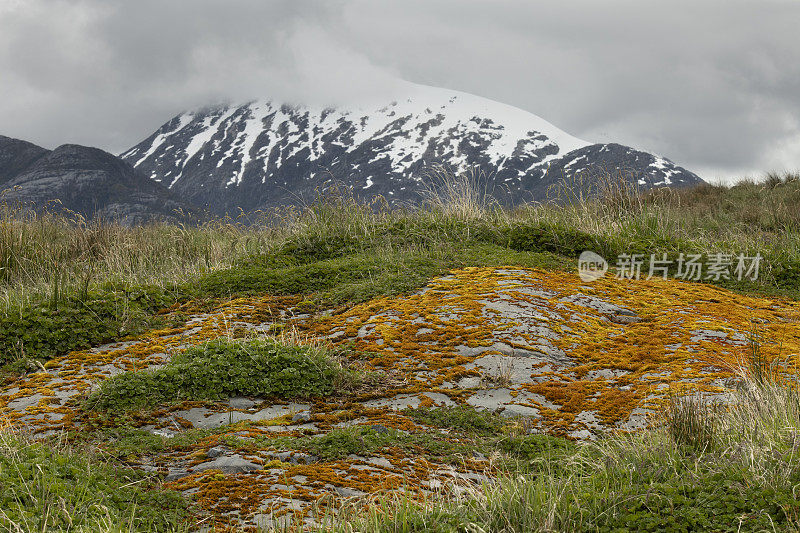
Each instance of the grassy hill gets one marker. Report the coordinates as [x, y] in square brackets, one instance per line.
[68, 285]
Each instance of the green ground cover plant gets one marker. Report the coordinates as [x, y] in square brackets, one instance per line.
[465, 433]
[224, 368]
[45, 328]
[129, 444]
[460, 418]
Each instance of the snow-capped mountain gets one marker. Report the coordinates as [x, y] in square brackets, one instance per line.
[264, 154]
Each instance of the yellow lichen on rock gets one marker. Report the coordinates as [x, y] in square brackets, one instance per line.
[564, 356]
[604, 348]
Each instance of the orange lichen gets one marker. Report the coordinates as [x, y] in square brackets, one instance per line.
[689, 336]
[421, 335]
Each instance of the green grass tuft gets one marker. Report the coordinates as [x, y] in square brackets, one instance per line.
[459, 418]
[55, 488]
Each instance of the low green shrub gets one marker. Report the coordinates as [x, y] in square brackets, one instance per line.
[787, 275]
[530, 447]
[460, 418]
[129, 444]
[362, 440]
[546, 237]
[45, 329]
[315, 247]
[367, 440]
[354, 277]
[711, 501]
[223, 368]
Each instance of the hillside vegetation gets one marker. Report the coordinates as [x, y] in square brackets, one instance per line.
[66, 284]
[104, 281]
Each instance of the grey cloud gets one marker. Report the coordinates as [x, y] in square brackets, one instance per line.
[712, 84]
[108, 73]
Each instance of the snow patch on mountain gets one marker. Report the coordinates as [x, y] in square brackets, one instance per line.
[264, 153]
[406, 125]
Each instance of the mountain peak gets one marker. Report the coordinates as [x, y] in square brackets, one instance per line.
[15, 156]
[263, 153]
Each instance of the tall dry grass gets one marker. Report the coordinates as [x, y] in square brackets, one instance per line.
[462, 195]
[38, 250]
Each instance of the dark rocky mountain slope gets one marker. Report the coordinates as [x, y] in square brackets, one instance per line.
[260, 155]
[84, 180]
[16, 156]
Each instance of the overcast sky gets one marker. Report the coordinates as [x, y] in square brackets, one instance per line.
[713, 85]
